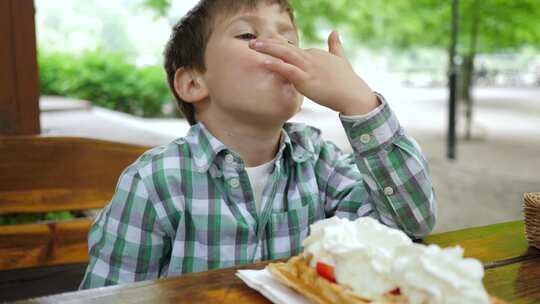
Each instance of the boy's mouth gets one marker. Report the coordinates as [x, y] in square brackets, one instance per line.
[281, 79]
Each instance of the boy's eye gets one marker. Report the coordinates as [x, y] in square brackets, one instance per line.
[247, 36]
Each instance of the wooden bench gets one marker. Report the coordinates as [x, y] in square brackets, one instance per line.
[48, 174]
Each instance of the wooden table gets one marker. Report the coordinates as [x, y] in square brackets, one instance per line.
[512, 274]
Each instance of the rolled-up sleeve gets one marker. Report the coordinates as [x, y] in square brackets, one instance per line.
[391, 181]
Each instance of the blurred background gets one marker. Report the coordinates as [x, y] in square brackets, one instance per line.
[101, 76]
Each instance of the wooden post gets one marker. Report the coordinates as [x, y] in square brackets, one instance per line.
[19, 81]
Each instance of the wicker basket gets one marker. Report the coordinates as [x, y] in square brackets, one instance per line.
[531, 212]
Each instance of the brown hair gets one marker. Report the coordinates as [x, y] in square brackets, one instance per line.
[189, 37]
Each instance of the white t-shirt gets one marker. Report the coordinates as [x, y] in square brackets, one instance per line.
[258, 176]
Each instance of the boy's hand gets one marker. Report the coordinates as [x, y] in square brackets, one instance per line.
[324, 77]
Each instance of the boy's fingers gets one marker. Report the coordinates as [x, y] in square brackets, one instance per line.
[334, 45]
[290, 72]
[287, 53]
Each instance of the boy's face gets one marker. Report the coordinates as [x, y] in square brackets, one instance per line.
[239, 85]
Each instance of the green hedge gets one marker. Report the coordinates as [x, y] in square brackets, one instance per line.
[31, 218]
[106, 80]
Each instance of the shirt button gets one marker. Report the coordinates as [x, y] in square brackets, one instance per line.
[234, 182]
[388, 191]
[365, 138]
[229, 158]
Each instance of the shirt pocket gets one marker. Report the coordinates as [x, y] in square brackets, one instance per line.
[287, 230]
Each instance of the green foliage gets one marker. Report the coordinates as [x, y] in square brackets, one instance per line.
[504, 25]
[106, 80]
[32, 218]
[160, 7]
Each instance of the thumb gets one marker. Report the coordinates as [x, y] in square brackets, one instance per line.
[334, 45]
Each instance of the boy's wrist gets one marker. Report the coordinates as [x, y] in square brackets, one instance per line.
[360, 105]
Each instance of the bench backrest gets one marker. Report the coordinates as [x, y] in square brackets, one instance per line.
[46, 174]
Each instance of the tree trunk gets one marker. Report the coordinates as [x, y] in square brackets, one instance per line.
[452, 82]
[467, 86]
[468, 71]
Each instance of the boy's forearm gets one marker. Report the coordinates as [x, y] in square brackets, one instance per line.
[395, 171]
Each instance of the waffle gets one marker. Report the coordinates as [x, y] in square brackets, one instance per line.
[297, 274]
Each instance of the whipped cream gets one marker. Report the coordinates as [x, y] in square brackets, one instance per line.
[430, 274]
[373, 259]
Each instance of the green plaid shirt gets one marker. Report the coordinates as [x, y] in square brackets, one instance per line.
[189, 206]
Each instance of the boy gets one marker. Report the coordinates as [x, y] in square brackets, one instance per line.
[244, 185]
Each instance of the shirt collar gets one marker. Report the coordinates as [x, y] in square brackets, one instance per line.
[298, 142]
[205, 147]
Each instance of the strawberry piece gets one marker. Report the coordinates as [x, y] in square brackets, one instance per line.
[326, 271]
[396, 291]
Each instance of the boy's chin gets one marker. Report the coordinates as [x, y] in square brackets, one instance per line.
[272, 121]
[286, 110]
[273, 114]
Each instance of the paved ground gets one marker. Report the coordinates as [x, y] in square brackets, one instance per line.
[483, 186]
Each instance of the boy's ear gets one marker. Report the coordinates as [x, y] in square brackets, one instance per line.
[190, 85]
